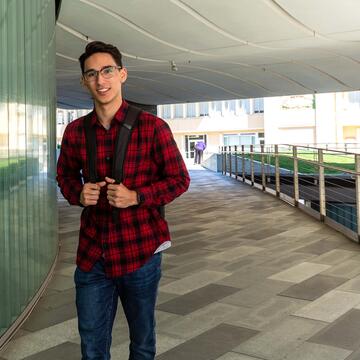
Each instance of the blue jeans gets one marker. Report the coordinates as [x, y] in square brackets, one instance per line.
[96, 301]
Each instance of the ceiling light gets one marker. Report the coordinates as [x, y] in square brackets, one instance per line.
[173, 66]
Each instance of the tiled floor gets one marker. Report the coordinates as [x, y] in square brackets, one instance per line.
[248, 277]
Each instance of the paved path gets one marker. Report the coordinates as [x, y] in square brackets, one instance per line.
[248, 277]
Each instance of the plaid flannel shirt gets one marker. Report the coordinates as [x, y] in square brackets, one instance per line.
[153, 167]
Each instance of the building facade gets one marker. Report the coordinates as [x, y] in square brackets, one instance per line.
[217, 123]
[332, 119]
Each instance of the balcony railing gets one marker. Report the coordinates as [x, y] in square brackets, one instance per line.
[324, 183]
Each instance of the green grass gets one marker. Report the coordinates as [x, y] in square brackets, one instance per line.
[11, 162]
[345, 162]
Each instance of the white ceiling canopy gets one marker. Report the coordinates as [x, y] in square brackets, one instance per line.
[220, 49]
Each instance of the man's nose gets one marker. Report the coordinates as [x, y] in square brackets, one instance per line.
[100, 79]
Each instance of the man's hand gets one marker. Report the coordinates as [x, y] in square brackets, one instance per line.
[90, 193]
[119, 195]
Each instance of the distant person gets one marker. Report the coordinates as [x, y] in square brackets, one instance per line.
[122, 232]
[200, 146]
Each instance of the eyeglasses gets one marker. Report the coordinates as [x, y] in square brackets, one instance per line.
[107, 72]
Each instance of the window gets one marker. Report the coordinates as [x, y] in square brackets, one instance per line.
[218, 106]
[60, 118]
[232, 106]
[179, 111]
[166, 112]
[231, 139]
[245, 105]
[354, 98]
[239, 139]
[259, 105]
[204, 109]
[191, 110]
[247, 139]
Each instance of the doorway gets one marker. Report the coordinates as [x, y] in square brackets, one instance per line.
[190, 141]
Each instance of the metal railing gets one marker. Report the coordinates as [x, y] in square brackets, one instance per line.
[324, 183]
[347, 146]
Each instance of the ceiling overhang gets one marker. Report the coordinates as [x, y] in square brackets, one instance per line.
[219, 49]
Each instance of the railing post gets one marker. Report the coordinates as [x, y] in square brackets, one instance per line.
[225, 160]
[322, 199]
[236, 163]
[296, 177]
[222, 161]
[277, 171]
[252, 164]
[243, 162]
[230, 164]
[220, 152]
[357, 169]
[263, 177]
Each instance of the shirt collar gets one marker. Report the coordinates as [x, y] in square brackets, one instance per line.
[119, 115]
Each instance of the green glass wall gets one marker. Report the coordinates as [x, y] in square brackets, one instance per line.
[28, 212]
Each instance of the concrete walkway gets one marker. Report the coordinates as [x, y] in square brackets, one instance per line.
[248, 277]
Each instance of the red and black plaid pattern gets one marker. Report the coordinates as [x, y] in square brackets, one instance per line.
[153, 166]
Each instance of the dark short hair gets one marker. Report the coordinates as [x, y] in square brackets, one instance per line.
[100, 47]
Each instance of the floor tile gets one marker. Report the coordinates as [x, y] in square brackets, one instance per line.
[313, 288]
[193, 282]
[43, 318]
[187, 247]
[256, 294]
[292, 332]
[209, 345]
[330, 306]
[309, 351]
[347, 269]
[300, 272]
[351, 285]
[60, 282]
[236, 252]
[236, 356]
[197, 299]
[343, 333]
[335, 256]
[319, 247]
[64, 351]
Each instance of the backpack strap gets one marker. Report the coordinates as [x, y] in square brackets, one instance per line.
[122, 142]
[90, 137]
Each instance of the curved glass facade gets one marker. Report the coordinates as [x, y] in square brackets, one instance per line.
[28, 210]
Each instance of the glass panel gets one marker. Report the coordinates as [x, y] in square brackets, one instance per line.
[28, 209]
[191, 110]
[179, 111]
[259, 105]
[204, 109]
[166, 111]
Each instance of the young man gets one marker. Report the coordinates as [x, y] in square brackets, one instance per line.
[118, 256]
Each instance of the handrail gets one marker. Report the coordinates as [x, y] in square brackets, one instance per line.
[324, 190]
[317, 148]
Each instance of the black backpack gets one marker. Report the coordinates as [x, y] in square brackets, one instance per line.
[121, 144]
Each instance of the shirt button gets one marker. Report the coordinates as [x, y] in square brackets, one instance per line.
[108, 158]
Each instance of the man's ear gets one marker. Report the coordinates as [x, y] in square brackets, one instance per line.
[82, 82]
[123, 75]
